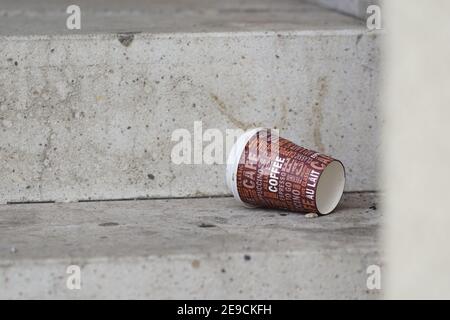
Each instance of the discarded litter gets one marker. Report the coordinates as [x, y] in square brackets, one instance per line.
[265, 170]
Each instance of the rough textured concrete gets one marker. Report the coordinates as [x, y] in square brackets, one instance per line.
[356, 8]
[187, 248]
[90, 116]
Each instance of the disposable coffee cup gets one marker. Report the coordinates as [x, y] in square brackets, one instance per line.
[265, 170]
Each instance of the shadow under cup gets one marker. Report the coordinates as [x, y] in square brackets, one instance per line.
[265, 170]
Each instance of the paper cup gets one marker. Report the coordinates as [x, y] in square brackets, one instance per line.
[265, 170]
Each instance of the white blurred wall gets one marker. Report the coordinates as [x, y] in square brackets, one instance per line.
[417, 149]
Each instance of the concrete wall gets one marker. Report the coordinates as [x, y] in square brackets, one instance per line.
[91, 116]
[417, 170]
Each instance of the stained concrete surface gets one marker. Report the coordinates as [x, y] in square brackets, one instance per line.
[91, 115]
[188, 248]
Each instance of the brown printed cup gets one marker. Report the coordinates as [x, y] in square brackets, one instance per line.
[265, 170]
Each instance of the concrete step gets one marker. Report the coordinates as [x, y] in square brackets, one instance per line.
[356, 8]
[90, 114]
[188, 248]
